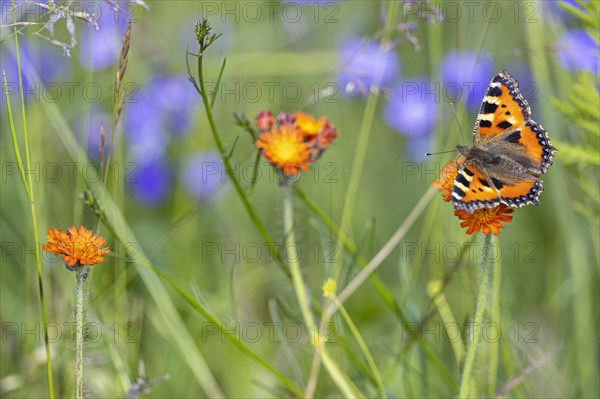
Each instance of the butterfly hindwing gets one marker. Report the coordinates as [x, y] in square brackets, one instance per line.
[503, 107]
[526, 191]
[472, 190]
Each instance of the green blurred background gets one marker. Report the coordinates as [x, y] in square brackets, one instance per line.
[195, 229]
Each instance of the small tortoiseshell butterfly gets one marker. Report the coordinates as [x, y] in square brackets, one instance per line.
[509, 152]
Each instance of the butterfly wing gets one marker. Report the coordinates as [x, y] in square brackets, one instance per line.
[529, 146]
[509, 151]
[503, 109]
[475, 188]
[504, 122]
[472, 190]
[525, 191]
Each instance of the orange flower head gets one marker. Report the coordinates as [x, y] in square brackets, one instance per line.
[326, 136]
[308, 125]
[265, 120]
[78, 247]
[446, 179]
[485, 220]
[286, 149]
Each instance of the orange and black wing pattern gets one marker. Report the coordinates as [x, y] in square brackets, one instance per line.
[503, 109]
[533, 148]
[509, 152]
[525, 192]
[472, 190]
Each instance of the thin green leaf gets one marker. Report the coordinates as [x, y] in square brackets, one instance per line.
[214, 95]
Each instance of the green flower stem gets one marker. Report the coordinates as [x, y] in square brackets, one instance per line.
[29, 190]
[341, 380]
[230, 171]
[79, 309]
[494, 318]
[290, 242]
[465, 382]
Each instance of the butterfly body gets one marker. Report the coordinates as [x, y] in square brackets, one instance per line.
[509, 152]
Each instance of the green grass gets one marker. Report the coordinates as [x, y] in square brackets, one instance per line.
[406, 272]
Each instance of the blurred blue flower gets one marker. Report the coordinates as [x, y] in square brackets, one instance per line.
[177, 99]
[412, 107]
[578, 51]
[143, 119]
[553, 8]
[412, 110]
[203, 174]
[360, 63]
[151, 182]
[152, 148]
[101, 48]
[165, 105]
[95, 119]
[465, 77]
[6, 11]
[36, 56]
[417, 147]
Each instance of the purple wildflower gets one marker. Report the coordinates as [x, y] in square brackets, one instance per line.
[412, 107]
[412, 110]
[578, 51]
[150, 183]
[38, 58]
[101, 47]
[203, 174]
[163, 106]
[96, 118]
[465, 77]
[362, 63]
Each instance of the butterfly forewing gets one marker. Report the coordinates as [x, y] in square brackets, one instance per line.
[503, 107]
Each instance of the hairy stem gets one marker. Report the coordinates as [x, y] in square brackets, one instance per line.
[79, 309]
[465, 382]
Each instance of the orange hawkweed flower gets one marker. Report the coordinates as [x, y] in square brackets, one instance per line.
[308, 124]
[485, 220]
[77, 246]
[445, 181]
[286, 149]
[326, 136]
[320, 129]
[264, 120]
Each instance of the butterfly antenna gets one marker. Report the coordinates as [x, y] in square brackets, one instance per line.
[437, 153]
[459, 128]
[457, 122]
